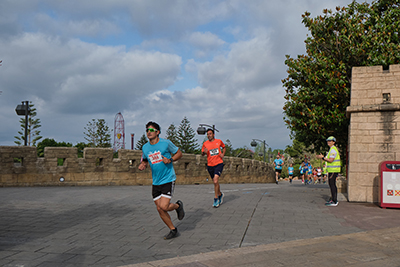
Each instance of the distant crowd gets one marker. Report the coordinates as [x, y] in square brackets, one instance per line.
[309, 174]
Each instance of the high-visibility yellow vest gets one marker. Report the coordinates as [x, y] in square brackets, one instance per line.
[333, 166]
[324, 169]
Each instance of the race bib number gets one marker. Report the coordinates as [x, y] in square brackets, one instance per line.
[155, 157]
[214, 152]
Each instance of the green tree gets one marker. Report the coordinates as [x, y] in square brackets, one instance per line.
[98, 134]
[47, 142]
[318, 83]
[259, 152]
[140, 143]
[296, 151]
[81, 146]
[33, 128]
[229, 148]
[186, 141]
[243, 152]
[172, 134]
[275, 152]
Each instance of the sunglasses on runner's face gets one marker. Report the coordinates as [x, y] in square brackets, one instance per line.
[151, 130]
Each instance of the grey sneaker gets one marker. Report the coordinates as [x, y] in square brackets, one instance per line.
[172, 234]
[221, 198]
[179, 211]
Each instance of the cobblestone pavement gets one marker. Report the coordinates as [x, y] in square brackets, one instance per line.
[116, 226]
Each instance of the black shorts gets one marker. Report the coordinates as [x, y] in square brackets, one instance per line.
[163, 190]
[215, 170]
[278, 170]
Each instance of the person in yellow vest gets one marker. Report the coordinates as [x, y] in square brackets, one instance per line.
[333, 169]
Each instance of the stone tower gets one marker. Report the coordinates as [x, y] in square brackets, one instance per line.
[374, 131]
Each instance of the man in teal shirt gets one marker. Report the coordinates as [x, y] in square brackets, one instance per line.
[160, 153]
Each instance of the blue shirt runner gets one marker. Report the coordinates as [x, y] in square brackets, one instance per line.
[278, 164]
[162, 173]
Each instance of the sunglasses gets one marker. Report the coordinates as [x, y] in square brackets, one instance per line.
[151, 130]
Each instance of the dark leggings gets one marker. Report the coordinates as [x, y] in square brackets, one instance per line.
[332, 184]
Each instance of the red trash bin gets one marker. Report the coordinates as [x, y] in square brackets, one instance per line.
[390, 184]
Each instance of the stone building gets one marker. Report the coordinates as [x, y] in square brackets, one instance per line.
[374, 133]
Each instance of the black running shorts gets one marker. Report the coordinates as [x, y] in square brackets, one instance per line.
[163, 190]
[215, 170]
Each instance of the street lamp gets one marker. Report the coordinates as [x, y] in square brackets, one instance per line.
[202, 130]
[254, 144]
[24, 110]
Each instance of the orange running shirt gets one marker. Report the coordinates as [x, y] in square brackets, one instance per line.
[214, 151]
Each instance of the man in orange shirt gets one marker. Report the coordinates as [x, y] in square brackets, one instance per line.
[215, 163]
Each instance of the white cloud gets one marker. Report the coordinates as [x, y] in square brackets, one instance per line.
[248, 66]
[78, 60]
[71, 28]
[68, 74]
[205, 40]
[239, 90]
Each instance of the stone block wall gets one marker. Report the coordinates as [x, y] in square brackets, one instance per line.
[20, 166]
[374, 131]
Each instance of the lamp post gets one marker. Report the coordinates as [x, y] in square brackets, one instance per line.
[202, 130]
[254, 144]
[24, 110]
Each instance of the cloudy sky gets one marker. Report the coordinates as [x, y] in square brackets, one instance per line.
[215, 62]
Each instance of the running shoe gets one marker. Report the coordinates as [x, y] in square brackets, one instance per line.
[332, 204]
[172, 234]
[221, 198]
[216, 203]
[276, 182]
[179, 211]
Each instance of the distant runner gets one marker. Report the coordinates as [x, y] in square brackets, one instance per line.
[215, 164]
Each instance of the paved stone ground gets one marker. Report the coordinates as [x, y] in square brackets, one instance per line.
[115, 226]
[363, 249]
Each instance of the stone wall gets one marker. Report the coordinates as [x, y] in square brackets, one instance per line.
[20, 166]
[374, 131]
